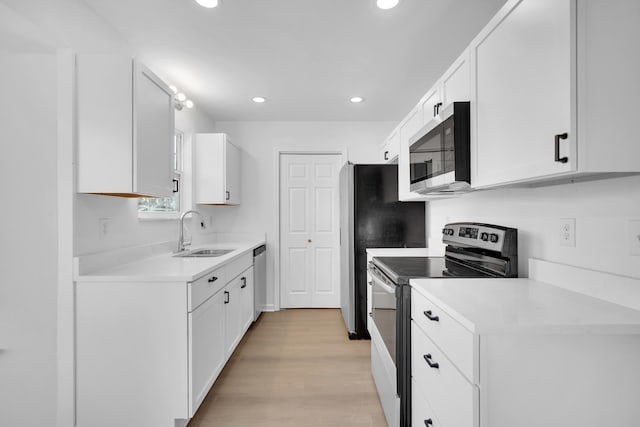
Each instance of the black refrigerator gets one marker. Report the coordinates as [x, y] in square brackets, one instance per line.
[371, 217]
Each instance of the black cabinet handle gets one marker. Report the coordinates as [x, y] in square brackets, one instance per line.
[244, 282]
[226, 297]
[428, 422]
[438, 105]
[557, 148]
[431, 363]
[228, 195]
[212, 279]
[430, 316]
[435, 110]
[386, 155]
[176, 186]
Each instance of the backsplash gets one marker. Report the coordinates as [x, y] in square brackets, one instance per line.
[602, 211]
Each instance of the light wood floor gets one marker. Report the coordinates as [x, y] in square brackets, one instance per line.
[295, 368]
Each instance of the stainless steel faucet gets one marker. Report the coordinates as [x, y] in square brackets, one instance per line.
[181, 244]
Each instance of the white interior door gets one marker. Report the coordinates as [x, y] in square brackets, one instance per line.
[309, 230]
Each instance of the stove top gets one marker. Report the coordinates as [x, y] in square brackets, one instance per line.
[401, 269]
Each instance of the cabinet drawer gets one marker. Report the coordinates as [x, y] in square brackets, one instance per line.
[457, 342]
[237, 266]
[200, 290]
[422, 414]
[453, 399]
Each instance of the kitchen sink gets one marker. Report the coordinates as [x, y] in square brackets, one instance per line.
[203, 253]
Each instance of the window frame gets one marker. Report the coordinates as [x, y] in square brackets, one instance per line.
[178, 173]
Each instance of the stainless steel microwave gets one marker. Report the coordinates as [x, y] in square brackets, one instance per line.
[440, 153]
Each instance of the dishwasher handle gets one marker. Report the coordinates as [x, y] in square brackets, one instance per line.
[260, 249]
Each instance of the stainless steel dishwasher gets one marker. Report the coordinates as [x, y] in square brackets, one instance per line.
[259, 280]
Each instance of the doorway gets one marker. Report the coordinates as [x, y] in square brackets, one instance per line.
[309, 225]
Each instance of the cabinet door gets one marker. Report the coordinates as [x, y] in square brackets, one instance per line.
[523, 95]
[232, 174]
[409, 127]
[456, 81]
[207, 349]
[246, 294]
[152, 134]
[208, 169]
[233, 315]
[389, 152]
[429, 103]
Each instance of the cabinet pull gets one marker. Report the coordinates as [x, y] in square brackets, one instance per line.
[557, 148]
[438, 105]
[212, 279]
[176, 186]
[244, 282]
[386, 155]
[228, 195]
[435, 110]
[430, 316]
[431, 363]
[428, 422]
[226, 297]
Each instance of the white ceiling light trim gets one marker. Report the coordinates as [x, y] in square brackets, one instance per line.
[259, 99]
[387, 4]
[356, 99]
[209, 4]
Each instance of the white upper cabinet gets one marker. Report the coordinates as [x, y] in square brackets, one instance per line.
[125, 128]
[216, 170]
[453, 86]
[390, 147]
[554, 91]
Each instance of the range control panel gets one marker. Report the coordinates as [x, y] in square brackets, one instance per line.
[483, 236]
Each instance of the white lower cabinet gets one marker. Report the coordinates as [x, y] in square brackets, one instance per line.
[206, 332]
[246, 296]
[148, 352]
[522, 369]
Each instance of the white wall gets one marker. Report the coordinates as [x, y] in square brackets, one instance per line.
[258, 141]
[602, 210]
[28, 254]
[126, 229]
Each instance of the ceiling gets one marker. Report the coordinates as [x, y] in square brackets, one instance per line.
[307, 57]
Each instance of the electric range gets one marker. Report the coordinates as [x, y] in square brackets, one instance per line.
[474, 250]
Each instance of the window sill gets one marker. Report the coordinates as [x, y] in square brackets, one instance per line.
[158, 216]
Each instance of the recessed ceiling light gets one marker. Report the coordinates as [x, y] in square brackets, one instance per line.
[209, 4]
[387, 4]
[357, 99]
[259, 99]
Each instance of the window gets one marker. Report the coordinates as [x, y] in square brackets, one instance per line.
[166, 207]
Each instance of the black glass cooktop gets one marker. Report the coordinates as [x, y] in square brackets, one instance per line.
[401, 269]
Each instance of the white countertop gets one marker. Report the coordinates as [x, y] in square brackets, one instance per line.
[402, 252]
[165, 267]
[489, 306]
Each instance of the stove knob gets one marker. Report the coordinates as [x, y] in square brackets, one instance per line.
[445, 231]
[494, 238]
[484, 237]
[451, 232]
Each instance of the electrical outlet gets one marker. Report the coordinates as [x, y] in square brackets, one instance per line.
[634, 237]
[567, 231]
[104, 227]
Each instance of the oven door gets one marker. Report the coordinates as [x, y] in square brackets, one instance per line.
[384, 304]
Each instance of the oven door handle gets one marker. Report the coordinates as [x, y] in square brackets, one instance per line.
[379, 282]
